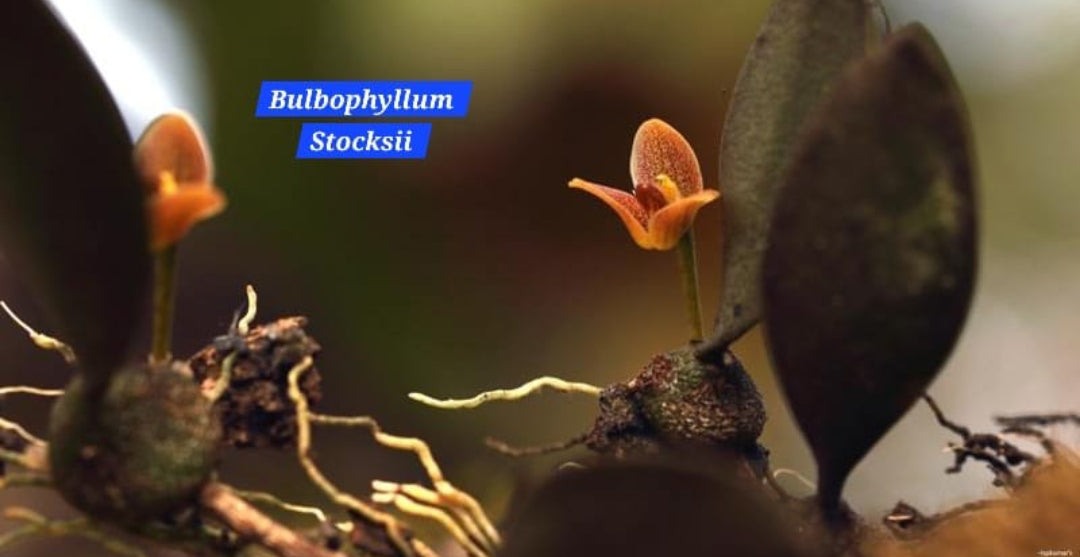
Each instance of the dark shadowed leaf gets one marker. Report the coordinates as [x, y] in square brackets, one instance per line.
[646, 510]
[799, 51]
[869, 272]
[72, 218]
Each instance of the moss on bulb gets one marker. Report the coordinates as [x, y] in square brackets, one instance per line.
[679, 400]
[136, 450]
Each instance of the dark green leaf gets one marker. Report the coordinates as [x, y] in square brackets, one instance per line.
[871, 262]
[72, 217]
[799, 51]
[647, 509]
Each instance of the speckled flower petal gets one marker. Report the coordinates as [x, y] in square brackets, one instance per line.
[172, 143]
[669, 224]
[173, 215]
[661, 149]
[629, 209]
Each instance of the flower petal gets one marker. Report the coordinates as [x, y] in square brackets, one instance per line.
[669, 224]
[172, 216]
[660, 149]
[172, 143]
[633, 215]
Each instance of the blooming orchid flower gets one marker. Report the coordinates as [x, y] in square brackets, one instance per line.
[176, 170]
[667, 187]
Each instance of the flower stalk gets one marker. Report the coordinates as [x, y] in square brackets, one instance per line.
[689, 274]
[164, 305]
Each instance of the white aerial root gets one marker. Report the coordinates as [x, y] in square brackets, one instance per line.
[25, 390]
[42, 341]
[272, 500]
[244, 324]
[528, 389]
[21, 431]
[47, 343]
[795, 474]
[458, 512]
[242, 327]
[464, 525]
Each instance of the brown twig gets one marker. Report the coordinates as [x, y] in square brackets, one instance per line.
[1039, 420]
[254, 526]
[956, 428]
[906, 522]
[998, 454]
[1028, 425]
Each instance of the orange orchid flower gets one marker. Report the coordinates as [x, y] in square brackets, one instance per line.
[175, 167]
[668, 189]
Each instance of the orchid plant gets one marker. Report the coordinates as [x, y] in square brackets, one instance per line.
[850, 231]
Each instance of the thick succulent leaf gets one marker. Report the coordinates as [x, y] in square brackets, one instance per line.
[801, 48]
[72, 218]
[870, 268]
[647, 509]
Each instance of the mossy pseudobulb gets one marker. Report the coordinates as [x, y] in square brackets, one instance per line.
[678, 399]
[256, 410]
[136, 450]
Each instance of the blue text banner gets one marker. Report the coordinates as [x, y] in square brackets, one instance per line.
[363, 141]
[358, 99]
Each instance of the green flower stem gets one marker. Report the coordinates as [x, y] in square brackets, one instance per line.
[164, 304]
[688, 272]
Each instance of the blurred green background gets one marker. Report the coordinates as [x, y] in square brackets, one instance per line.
[477, 268]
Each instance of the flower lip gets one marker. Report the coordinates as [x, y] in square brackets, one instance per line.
[650, 197]
[175, 214]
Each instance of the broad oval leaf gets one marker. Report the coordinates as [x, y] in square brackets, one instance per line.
[72, 217]
[872, 252]
[648, 509]
[801, 48]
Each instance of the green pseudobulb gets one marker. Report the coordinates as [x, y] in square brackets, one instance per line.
[137, 450]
